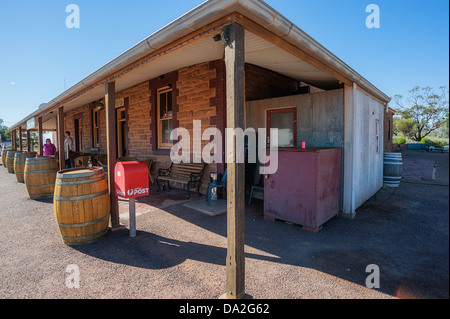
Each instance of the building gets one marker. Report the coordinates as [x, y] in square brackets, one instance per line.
[388, 129]
[226, 63]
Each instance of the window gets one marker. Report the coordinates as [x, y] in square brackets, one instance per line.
[285, 120]
[164, 117]
[95, 128]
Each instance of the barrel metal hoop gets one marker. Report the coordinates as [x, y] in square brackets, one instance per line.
[40, 186]
[41, 196]
[46, 171]
[93, 222]
[31, 161]
[84, 237]
[76, 198]
[80, 175]
[88, 181]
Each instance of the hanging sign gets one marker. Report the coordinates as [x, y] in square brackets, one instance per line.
[31, 123]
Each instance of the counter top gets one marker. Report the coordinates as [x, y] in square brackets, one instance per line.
[308, 149]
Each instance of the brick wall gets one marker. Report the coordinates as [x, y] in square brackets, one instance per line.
[138, 115]
[199, 94]
[82, 113]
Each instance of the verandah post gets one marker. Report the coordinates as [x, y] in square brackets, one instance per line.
[110, 101]
[235, 262]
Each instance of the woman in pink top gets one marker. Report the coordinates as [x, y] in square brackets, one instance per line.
[49, 148]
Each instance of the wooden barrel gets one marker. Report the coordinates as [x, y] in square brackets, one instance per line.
[10, 160]
[4, 151]
[19, 164]
[39, 176]
[392, 169]
[81, 205]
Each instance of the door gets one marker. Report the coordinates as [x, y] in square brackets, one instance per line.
[285, 120]
[121, 132]
[78, 135]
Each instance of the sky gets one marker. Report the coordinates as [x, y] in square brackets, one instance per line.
[40, 57]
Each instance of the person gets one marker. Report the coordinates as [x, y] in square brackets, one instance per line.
[68, 148]
[49, 148]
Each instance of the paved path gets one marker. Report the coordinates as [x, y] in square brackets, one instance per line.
[180, 253]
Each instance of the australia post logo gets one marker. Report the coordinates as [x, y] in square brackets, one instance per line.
[136, 192]
[140, 191]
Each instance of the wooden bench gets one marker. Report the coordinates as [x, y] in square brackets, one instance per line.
[184, 173]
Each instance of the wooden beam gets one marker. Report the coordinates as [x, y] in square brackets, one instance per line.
[110, 101]
[235, 85]
[60, 124]
[40, 136]
[29, 141]
[13, 140]
[20, 139]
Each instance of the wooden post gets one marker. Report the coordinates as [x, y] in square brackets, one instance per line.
[348, 209]
[20, 139]
[235, 85]
[13, 140]
[29, 141]
[60, 120]
[110, 100]
[40, 141]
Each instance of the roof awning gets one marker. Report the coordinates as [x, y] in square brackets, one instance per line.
[271, 42]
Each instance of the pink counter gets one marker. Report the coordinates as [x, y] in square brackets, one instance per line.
[305, 190]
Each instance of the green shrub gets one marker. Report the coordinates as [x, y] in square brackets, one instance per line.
[439, 142]
[436, 142]
[401, 140]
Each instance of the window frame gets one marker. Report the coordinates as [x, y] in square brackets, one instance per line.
[95, 128]
[289, 109]
[159, 120]
[377, 135]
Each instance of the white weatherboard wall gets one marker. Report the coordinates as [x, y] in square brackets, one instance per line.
[367, 160]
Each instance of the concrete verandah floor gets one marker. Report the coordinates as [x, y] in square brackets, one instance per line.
[180, 253]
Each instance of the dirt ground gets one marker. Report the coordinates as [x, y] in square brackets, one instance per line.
[180, 253]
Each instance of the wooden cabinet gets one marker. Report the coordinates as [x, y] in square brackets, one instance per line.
[306, 188]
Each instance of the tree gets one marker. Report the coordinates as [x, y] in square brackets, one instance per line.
[444, 129]
[4, 132]
[422, 112]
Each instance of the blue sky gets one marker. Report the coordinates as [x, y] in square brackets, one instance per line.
[40, 56]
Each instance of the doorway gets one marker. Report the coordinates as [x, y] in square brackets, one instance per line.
[78, 134]
[121, 132]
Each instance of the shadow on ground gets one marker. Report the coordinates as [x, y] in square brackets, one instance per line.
[403, 231]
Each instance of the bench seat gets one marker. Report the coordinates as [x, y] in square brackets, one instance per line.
[184, 173]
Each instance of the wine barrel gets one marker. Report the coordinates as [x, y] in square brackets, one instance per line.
[19, 164]
[39, 176]
[392, 169]
[81, 205]
[10, 160]
[4, 151]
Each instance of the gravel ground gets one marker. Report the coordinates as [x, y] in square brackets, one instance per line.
[180, 253]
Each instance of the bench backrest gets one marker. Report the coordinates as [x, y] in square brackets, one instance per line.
[185, 169]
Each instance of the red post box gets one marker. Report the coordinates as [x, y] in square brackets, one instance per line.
[131, 179]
